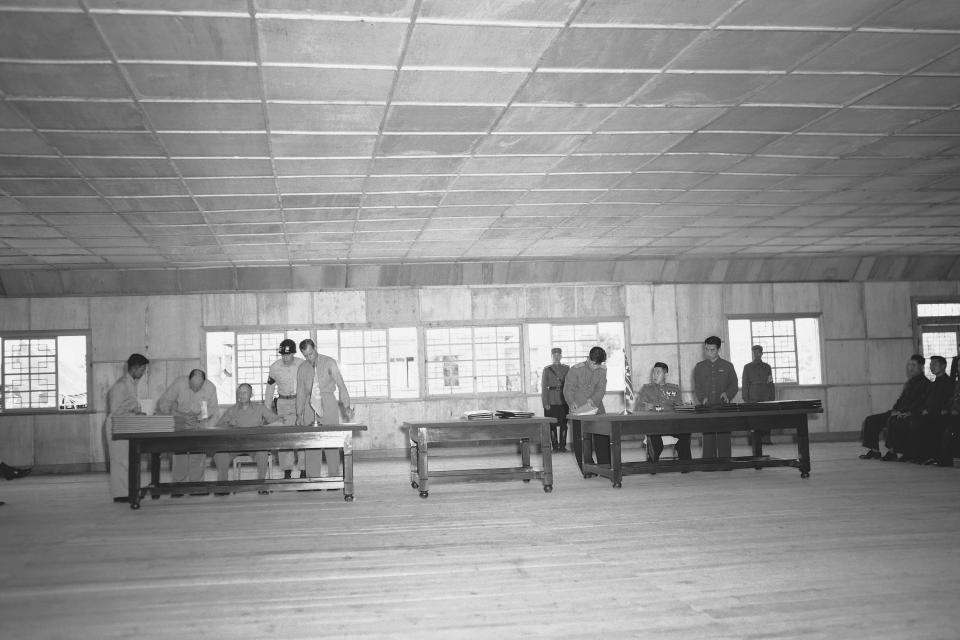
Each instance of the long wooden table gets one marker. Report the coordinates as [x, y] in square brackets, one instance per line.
[526, 431]
[211, 441]
[672, 423]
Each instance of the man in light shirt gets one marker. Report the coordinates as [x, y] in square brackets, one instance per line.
[317, 380]
[192, 401]
[122, 401]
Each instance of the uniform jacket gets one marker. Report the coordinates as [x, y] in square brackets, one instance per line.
[710, 379]
[584, 383]
[664, 395]
[551, 385]
[913, 395]
[757, 382]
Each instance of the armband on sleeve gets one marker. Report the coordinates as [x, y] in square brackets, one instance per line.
[270, 380]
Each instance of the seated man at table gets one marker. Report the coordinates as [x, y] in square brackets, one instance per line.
[660, 395]
[242, 415]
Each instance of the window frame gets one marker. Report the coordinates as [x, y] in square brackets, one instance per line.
[46, 334]
[519, 325]
[919, 322]
[773, 317]
[312, 331]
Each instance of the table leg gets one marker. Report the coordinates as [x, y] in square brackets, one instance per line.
[586, 451]
[803, 446]
[616, 465]
[414, 468]
[133, 474]
[547, 452]
[348, 468]
[575, 430]
[154, 476]
[422, 468]
[525, 455]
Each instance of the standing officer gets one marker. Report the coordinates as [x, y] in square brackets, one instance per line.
[283, 376]
[551, 395]
[758, 384]
[715, 383]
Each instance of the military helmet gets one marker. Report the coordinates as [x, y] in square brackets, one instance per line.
[288, 346]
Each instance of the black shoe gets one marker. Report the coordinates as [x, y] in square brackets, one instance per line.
[303, 474]
[904, 458]
[871, 455]
[14, 473]
[287, 474]
[944, 463]
[122, 499]
[263, 492]
[176, 495]
[217, 493]
[889, 456]
[930, 462]
[202, 494]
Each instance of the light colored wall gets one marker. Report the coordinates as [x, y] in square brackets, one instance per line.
[866, 331]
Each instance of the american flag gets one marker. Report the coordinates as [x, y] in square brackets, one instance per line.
[628, 395]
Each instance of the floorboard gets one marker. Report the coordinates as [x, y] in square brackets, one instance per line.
[861, 549]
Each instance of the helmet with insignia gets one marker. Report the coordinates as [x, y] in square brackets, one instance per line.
[288, 346]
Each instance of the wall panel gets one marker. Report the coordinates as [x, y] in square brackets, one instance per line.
[339, 307]
[392, 306]
[14, 314]
[887, 308]
[118, 327]
[700, 312]
[446, 304]
[172, 326]
[843, 311]
[59, 314]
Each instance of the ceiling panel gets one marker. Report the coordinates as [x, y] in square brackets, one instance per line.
[184, 133]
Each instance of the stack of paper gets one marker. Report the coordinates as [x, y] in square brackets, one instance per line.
[479, 414]
[508, 413]
[142, 424]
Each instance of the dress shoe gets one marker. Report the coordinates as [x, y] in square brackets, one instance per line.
[303, 474]
[122, 499]
[287, 474]
[263, 492]
[176, 495]
[889, 456]
[871, 455]
[14, 473]
[904, 458]
[219, 494]
[201, 494]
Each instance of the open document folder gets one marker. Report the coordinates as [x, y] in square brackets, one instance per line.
[584, 410]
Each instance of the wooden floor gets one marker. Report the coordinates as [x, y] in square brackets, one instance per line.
[861, 549]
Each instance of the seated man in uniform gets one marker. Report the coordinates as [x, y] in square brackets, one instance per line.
[660, 395]
[242, 415]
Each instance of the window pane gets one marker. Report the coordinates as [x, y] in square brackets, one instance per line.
[221, 365]
[938, 343]
[808, 351]
[938, 310]
[72, 372]
[404, 373]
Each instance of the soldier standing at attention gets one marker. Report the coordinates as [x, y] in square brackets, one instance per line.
[715, 383]
[283, 376]
[551, 395]
[758, 383]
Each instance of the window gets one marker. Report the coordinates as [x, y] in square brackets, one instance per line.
[375, 363]
[235, 357]
[576, 340]
[791, 346]
[44, 372]
[473, 360]
[939, 327]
